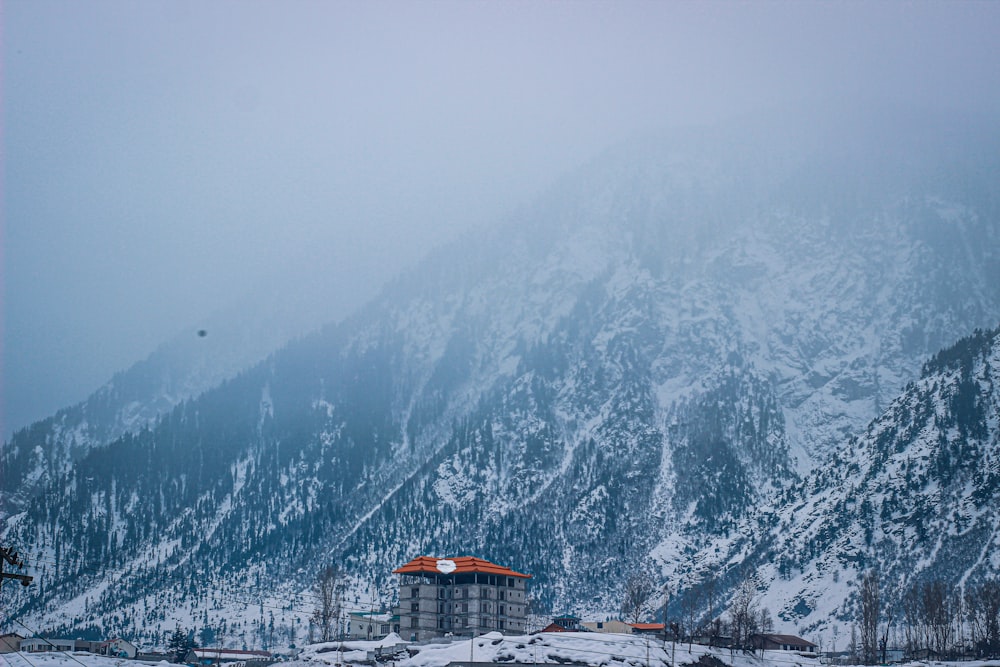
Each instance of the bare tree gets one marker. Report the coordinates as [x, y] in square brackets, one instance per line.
[870, 610]
[690, 605]
[982, 604]
[328, 590]
[712, 625]
[938, 613]
[743, 613]
[912, 619]
[637, 596]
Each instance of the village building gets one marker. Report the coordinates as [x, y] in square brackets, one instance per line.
[371, 625]
[564, 623]
[87, 645]
[117, 648]
[40, 645]
[782, 643]
[615, 627]
[460, 596]
[10, 642]
[647, 628]
[215, 656]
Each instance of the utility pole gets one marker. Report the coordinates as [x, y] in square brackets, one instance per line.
[10, 556]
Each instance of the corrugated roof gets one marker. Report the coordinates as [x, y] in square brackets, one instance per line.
[647, 626]
[463, 565]
[789, 639]
[228, 652]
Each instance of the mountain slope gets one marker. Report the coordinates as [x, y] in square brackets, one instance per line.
[914, 496]
[640, 361]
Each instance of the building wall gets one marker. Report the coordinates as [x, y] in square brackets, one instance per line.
[37, 645]
[619, 627]
[10, 643]
[432, 606]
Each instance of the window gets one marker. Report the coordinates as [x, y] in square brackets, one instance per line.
[465, 607]
[501, 610]
[486, 594]
[510, 582]
[414, 592]
[500, 624]
[440, 622]
[501, 594]
[440, 593]
[440, 607]
[414, 606]
[414, 622]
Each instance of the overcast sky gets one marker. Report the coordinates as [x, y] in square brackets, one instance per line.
[162, 159]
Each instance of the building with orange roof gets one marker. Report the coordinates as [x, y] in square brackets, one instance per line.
[461, 596]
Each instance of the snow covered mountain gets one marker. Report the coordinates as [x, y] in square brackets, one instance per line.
[629, 371]
[914, 496]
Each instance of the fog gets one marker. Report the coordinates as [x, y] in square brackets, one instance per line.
[164, 160]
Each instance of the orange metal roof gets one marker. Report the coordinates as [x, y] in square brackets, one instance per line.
[647, 626]
[463, 565]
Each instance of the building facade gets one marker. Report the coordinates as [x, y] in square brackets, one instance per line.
[40, 645]
[782, 643]
[618, 627]
[459, 596]
[371, 625]
[10, 642]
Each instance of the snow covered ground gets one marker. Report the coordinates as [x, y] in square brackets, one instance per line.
[596, 649]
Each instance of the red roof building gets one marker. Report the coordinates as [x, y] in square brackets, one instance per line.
[647, 628]
[461, 596]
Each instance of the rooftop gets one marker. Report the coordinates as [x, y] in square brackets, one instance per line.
[462, 565]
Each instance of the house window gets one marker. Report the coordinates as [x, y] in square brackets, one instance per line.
[501, 610]
[501, 594]
[414, 606]
[510, 582]
[441, 623]
[440, 593]
[440, 607]
[414, 592]
[486, 593]
[414, 622]
[501, 625]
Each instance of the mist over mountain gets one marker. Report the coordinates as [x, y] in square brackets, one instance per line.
[662, 356]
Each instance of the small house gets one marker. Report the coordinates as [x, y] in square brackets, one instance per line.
[371, 625]
[647, 628]
[41, 645]
[10, 642]
[568, 622]
[615, 627]
[782, 643]
[118, 648]
[216, 656]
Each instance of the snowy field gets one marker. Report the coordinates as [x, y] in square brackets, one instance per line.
[596, 649]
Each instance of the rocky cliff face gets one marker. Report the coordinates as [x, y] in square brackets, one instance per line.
[913, 496]
[628, 372]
